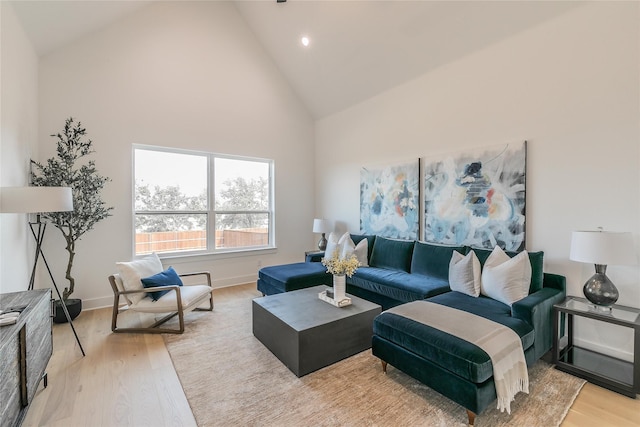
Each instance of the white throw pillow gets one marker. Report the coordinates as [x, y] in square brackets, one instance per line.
[465, 273]
[132, 272]
[348, 248]
[332, 245]
[335, 244]
[346, 236]
[506, 279]
[360, 250]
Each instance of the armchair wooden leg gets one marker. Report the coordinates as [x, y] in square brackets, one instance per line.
[472, 417]
[210, 308]
[384, 366]
[114, 315]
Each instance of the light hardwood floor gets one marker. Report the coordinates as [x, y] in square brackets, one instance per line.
[129, 380]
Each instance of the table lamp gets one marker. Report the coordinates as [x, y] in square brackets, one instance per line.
[602, 248]
[321, 226]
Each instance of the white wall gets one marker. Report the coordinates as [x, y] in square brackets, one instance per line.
[570, 86]
[177, 74]
[18, 143]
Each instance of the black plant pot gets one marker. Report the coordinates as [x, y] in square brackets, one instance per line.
[74, 306]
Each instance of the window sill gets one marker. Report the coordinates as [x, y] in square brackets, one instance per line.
[202, 256]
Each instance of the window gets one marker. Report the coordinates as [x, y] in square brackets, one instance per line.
[186, 202]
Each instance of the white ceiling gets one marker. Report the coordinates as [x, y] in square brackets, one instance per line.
[358, 49]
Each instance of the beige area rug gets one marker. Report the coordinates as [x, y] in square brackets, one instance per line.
[231, 379]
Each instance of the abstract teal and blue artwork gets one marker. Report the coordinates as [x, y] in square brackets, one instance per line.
[477, 197]
[390, 200]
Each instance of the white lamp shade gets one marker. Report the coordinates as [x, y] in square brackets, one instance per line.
[35, 199]
[320, 226]
[603, 247]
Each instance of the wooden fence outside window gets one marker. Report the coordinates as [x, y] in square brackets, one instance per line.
[176, 241]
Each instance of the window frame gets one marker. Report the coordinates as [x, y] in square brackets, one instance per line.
[211, 211]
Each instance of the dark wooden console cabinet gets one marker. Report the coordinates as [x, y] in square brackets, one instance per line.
[25, 349]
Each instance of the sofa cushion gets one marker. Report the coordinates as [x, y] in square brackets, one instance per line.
[506, 279]
[291, 277]
[465, 273]
[190, 296]
[360, 250]
[451, 353]
[335, 243]
[398, 285]
[392, 254]
[371, 238]
[433, 260]
[536, 259]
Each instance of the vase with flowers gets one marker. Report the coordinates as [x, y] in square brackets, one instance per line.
[340, 267]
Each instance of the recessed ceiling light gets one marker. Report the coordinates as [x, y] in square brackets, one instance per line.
[305, 41]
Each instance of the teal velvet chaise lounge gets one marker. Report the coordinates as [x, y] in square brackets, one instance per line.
[453, 367]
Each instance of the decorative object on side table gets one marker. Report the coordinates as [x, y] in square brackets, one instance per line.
[321, 226]
[602, 248]
[339, 267]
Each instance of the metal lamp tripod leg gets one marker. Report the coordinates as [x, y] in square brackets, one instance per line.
[39, 236]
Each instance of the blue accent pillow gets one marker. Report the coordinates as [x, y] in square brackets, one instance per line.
[165, 278]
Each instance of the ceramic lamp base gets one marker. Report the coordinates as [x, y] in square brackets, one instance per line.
[322, 243]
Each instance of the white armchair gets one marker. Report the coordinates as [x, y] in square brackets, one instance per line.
[129, 294]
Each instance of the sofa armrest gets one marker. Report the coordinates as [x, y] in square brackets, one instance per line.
[206, 274]
[537, 310]
[313, 256]
[554, 281]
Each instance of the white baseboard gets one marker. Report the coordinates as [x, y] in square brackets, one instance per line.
[609, 351]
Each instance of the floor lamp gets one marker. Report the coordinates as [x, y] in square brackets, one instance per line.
[38, 200]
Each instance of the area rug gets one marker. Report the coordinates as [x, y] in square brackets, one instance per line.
[231, 379]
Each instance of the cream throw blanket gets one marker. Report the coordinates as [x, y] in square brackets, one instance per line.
[501, 343]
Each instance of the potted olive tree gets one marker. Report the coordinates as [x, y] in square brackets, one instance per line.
[70, 168]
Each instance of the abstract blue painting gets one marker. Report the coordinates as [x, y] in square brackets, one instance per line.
[390, 200]
[477, 198]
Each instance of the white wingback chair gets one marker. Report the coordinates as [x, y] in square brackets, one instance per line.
[172, 297]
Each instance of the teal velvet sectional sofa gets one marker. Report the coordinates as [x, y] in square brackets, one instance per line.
[399, 272]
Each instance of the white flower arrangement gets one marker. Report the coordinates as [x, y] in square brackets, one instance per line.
[341, 266]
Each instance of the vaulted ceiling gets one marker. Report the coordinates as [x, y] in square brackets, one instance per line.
[357, 49]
